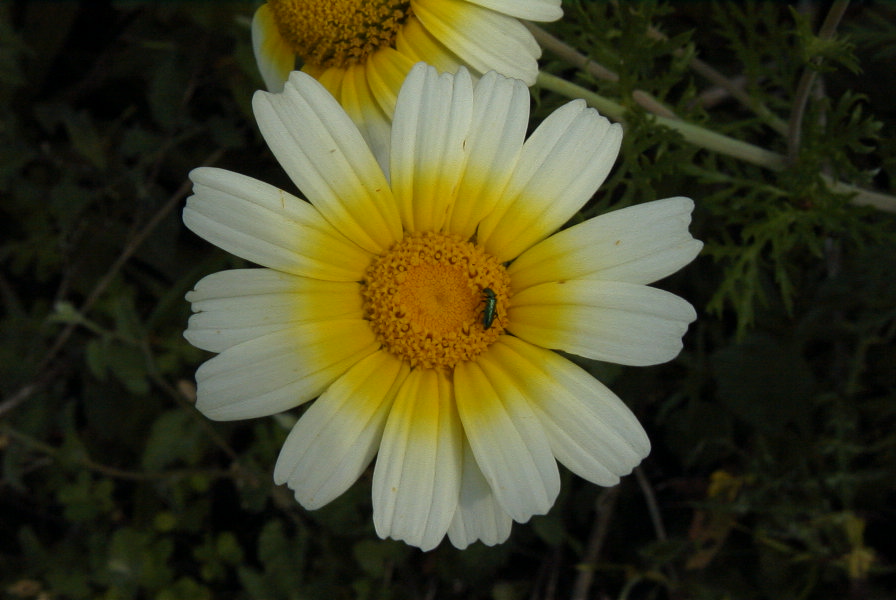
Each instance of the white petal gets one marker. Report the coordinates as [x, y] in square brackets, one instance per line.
[561, 166]
[322, 151]
[591, 431]
[416, 481]
[338, 436]
[242, 282]
[485, 40]
[358, 100]
[273, 54]
[478, 516]
[268, 226]
[508, 442]
[280, 370]
[637, 244]
[432, 121]
[235, 306]
[419, 45]
[530, 10]
[386, 71]
[616, 322]
[497, 132]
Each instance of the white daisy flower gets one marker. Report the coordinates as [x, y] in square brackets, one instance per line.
[420, 307]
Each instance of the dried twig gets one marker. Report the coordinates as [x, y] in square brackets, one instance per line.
[605, 505]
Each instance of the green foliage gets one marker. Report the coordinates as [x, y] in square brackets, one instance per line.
[774, 449]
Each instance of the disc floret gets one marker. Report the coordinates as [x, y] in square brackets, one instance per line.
[424, 299]
[339, 33]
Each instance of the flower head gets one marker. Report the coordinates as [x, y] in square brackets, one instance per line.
[361, 50]
[421, 305]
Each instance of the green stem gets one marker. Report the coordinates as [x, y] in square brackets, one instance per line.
[710, 140]
[694, 134]
[715, 77]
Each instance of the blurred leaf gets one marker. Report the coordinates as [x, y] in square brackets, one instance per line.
[124, 361]
[280, 555]
[185, 587]
[374, 556]
[137, 559]
[175, 437]
[217, 555]
[711, 526]
[85, 138]
[96, 352]
[166, 91]
[80, 128]
[86, 499]
[11, 49]
[281, 559]
[550, 528]
[763, 382]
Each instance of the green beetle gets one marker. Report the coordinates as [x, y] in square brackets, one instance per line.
[491, 305]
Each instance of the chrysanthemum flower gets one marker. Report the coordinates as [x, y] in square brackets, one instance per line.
[361, 50]
[422, 307]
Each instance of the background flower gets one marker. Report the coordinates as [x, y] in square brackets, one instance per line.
[372, 299]
[361, 50]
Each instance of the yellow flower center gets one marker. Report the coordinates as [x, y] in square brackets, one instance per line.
[426, 302]
[339, 33]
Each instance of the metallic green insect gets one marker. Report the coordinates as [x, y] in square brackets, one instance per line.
[491, 305]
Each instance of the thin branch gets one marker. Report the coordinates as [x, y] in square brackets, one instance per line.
[863, 197]
[545, 584]
[595, 69]
[606, 504]
[113, 472]
[570, 54]
[29, 389]
[652, 105]
[694, 134]
[717, 78]
[652, 507]
[189, 404]
[134, 243]
[22, 394]
[656, 516]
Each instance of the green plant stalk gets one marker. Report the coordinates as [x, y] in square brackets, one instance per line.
[710, 140]
[795, 125]
[694, 134]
